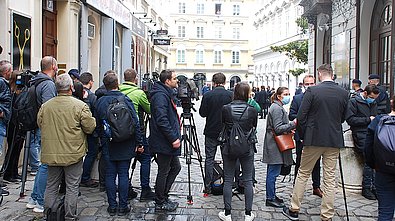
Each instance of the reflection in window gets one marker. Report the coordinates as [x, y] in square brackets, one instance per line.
[217, 9]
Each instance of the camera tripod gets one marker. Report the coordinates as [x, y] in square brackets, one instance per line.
[190, 143]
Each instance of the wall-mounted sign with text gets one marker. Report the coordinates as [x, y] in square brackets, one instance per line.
[161, 41]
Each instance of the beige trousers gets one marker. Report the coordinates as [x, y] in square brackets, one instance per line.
[310, 155]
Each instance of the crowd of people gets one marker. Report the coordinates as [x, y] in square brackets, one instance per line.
[76, 125]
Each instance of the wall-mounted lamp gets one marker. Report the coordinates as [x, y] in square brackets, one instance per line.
[140, 13]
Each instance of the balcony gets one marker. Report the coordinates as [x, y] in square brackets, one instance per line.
[314, 7]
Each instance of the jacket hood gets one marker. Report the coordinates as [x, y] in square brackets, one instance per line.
[39, 76]
[159, 87]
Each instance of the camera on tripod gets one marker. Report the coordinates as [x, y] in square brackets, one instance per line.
[147, 82]
[24, 78]
[186, 92]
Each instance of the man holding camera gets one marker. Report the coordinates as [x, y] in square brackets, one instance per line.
[165, 137]
[141, 105]
[211, 108]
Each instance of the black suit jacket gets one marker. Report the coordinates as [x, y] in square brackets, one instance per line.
[321, 115]
[293, 111]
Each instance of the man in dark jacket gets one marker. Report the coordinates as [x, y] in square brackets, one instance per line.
[319, 123]
[362, 109]
[211, 108]
[383, 101]
[165, 137]
[260, 98]
[86, 79]
[117, 154]
[308, 81]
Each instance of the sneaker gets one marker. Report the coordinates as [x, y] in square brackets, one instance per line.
[4, 192]
[31, 204]
[112, 211]
[249, 217]
[166, 206]
[38, 209]
[124, 211]
[291, 215]
[274, 203]
[33, 173]
[147, 195]
[89, 184]
[222, 216]
[368, 194]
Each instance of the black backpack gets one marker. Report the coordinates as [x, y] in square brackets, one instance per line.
[58, 213]
[384, 148]
[26, 107]
[217, 184]
[238, 141]
[120, 120]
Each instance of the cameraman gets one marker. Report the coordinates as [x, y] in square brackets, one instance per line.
[141, 104]
[211, 108]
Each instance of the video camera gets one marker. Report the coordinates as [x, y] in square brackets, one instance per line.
[24, 78]
[187, 91]
[147, 82]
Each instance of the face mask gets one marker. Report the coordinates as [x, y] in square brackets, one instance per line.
[370, 100]
[286, 100]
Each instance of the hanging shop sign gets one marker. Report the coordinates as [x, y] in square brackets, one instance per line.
[158, 41]
[21, 42]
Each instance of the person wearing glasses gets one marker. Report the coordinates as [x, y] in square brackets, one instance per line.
[308, 81]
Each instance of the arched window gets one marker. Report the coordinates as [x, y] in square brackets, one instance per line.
[380, 41]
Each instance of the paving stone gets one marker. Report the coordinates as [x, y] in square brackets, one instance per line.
[89, 211]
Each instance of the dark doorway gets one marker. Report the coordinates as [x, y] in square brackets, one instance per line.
[233, 81]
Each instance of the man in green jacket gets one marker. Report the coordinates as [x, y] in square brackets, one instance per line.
[64, 122]
[141, 105]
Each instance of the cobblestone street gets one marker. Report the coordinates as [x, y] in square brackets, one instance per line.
[92, 204]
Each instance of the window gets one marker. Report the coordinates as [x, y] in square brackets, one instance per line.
[199, 56]
[236, 33]
[199, 32]
[217, 9]
[235, 57]
[236, 9]
[218, 32]
[180, 56]
[217, 56]
[200, 8]
[181, 7]
[181, 31]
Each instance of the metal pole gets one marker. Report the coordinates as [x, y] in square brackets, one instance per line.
[344, 190]
[25, 162]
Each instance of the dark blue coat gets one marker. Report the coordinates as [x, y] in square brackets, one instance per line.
[165, 123]
[118, 150]
[5, 100]
[293, 111]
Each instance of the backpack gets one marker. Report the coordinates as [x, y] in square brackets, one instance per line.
[217, 184]
[59, 213]
[238, 141]
[120, 120]
[26, 107]
[384, 148]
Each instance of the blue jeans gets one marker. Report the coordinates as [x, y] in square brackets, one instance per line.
[273, 170]
[120, 168]
[3, 130]
[89, 158]
[385, 188]
[40, 183]
[35, 148]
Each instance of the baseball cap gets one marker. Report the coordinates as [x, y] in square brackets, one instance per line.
[374, 76]
[74, 73]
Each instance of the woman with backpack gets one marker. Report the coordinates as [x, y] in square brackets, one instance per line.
[379, 155]
[239, 120]
[277, 124]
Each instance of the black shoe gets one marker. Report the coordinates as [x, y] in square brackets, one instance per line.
[132, 194]
[11, 180]
[4, 192]
[2, 185]
[279, 200]
[112, 211]
[147, 195]
[89, 184]
[368, 194]
[18, 177]
[124, 211]
[274, 203]
[166, 206]
[291, 215]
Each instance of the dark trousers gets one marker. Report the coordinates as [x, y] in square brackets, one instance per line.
[385, 187]
[89, 158]
[168, 169]
[316, 176]
[120, 169]
[211, 145]
[145, 165]
[15, 140]
[103, 161]
[247, 166]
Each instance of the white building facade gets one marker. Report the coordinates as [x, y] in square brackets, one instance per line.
[275, 25]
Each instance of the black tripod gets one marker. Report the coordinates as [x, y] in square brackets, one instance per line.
[190, 144]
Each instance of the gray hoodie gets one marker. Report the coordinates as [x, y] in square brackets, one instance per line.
[45, 90]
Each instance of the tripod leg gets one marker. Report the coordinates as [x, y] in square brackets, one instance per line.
[344, 190]
[25, 162]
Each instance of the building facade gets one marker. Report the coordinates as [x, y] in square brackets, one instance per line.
[209, 37]
[275, 25]
[355, 36]
[89, 35]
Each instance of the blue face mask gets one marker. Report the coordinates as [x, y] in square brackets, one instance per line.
[370, 100]
[286, 100]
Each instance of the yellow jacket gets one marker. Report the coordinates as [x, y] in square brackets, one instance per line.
[64, 122]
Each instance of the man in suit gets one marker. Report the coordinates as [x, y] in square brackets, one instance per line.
[320, 119]
[308, 81]
[260, 98]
